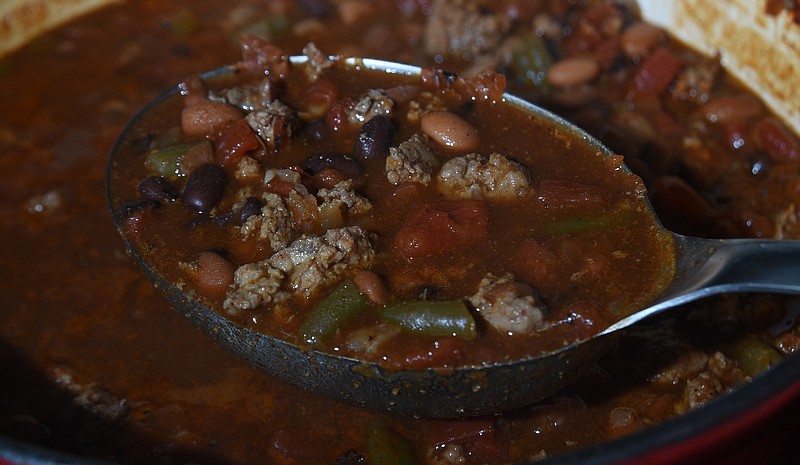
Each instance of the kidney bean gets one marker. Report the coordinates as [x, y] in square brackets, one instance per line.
[728, 108]
[375, 138]
[573, 71]
[450, 130]
[779, 143]
[207, 118]
[336, 160]
[252, 206]
[655, 74]
[204, 188]
[214, 273]
[157, 188]
[640, 38]
[372, 286]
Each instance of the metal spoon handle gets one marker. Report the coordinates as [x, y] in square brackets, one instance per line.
[706, 267]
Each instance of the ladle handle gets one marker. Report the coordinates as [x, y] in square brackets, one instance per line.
[739, 265]
[706, 267]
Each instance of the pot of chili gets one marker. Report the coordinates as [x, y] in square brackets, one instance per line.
[68, 374]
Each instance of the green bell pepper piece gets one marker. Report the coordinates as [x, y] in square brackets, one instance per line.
[434, 318]
[343, 304]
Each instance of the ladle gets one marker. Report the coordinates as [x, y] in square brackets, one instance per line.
[704, 267]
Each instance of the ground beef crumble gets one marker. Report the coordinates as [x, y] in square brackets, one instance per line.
[411, 161]
[306, 265]
[475, 176]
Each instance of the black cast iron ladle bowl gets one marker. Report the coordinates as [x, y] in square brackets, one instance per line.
[703, 267]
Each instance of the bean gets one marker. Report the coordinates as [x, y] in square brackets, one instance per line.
[729, 108]
[157, 188]
[450, 130]
[252, 206]
[573, 71]
[316, 8]
[207, 117]
[315, 130]
[353, 11]
[132, 208]
[375, 138]
[372, 286]
[214, 273]
[204, 188]
[780, 144]
[336, 160]
[640, 38]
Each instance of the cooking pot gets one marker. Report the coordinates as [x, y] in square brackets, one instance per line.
[753, 424]
[757, 423]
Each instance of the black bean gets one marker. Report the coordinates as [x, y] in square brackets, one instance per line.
[316, 8]
[225, 218]
[130, 208]
[251, 207]
[157, 188]
[375, 138]
[205, 188]
[346, 164]
[316, 130]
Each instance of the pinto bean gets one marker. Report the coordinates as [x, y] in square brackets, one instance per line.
[573, 71]
[214, 273]
[450, 131]
[372, 286]
[207, 118]
[205, 188]
[640, 38]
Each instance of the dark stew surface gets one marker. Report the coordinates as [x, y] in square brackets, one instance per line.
[103, 367]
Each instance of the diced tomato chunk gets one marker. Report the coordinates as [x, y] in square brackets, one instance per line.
[234, 141]
[421, 356]
[439, 228]
[280, 187]
[480, 436]
[319, 98]
[584, 319]
[261, 57]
